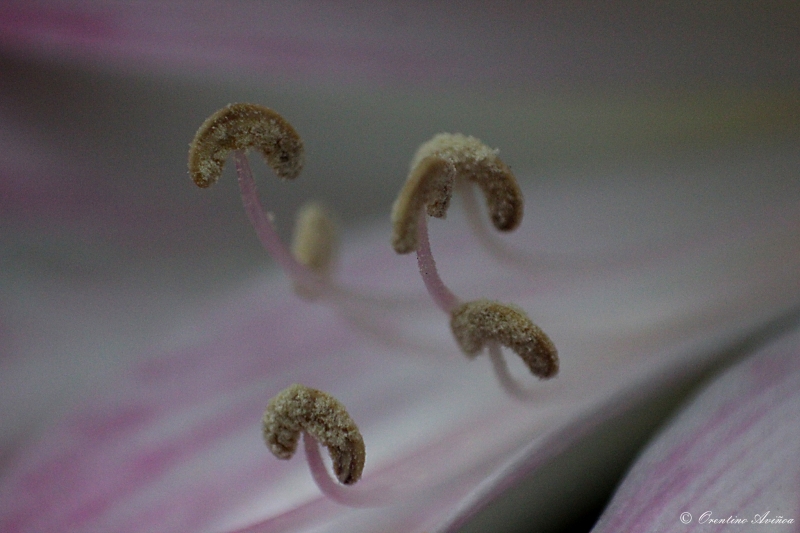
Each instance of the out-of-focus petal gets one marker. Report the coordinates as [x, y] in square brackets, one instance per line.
[173, 444]
[421, 43]
[728, 461]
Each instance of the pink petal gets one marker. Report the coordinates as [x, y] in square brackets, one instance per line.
[172, 443]
[731, 455]
[428, 44]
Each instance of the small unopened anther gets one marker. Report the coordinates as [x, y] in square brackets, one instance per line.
[315, 241]
[434, 169]
[240, 127]
[299, 409]
[479, 322]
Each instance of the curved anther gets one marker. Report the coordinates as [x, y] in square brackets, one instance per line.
[299, 409]
[434, 169]
[240, 127]
[477, 323]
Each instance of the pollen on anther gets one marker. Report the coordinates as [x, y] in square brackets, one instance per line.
[476, 323]
[240, 127]
[437, 163]
[299, 409]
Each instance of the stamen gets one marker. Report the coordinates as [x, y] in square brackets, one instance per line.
[299, 409]
[239, 127]
[439, 164]
[474, 324]
[434, 169]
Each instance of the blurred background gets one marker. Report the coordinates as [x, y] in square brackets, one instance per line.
[100, 99]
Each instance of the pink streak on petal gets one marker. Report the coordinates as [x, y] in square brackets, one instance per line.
[138, 468]
[517, 44]
[188, 416]
[732, 451]
[300, 41]
[57, 25]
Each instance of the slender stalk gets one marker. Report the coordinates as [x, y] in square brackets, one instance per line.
[265, 229]
[441, 295]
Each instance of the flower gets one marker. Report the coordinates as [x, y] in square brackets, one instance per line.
[146, 342]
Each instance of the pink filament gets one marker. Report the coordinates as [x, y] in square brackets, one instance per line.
[447, 302]
[265, 229]
[443, 297]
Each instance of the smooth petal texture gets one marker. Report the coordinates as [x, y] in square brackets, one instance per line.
[173, 445]
[477, 43]
[730, 455]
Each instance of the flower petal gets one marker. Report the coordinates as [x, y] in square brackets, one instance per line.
[178, 431]
[730, 456]
[417, 42]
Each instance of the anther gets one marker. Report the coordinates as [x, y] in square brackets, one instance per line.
[315, 241]
[434, 169]
[240, 127]
[299, 409]
[477, 323]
